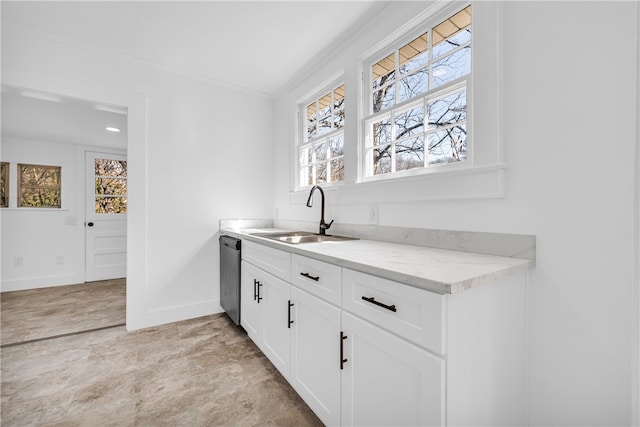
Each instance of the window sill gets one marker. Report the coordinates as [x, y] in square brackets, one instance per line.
[475, 182]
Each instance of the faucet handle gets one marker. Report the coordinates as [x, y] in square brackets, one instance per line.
[327, 226]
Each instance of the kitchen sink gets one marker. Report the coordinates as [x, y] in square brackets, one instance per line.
[295, 237]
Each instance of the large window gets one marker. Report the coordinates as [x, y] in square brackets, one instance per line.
[4, 185]
[321, 148]
[417, 99]
[39, 186]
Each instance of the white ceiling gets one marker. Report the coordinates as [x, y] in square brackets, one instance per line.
[252, 45]
[45, 117]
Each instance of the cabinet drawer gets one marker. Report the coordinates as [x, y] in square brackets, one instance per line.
[318, 278]
[270, 260]
[409, 312]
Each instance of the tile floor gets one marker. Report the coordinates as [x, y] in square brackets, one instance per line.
[199, 372]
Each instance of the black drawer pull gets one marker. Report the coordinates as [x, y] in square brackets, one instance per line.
[378, 303]
[342, 359]
[308, 276]
[255, 289]
[259, 297]
[289, 315]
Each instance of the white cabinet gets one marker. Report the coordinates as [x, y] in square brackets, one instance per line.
[387, 380]
[408, 357]
[250, 311]
[315, 354]
[264, 308]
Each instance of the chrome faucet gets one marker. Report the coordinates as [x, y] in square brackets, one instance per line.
[323, 225]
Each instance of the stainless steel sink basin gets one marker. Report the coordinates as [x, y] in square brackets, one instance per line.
[295, 237]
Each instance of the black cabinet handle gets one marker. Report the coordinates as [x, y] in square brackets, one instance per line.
[255, 289]
[308, 276]
[342, 359]
[378, 303]
[258, 295]
[90, 224]
[289, 315]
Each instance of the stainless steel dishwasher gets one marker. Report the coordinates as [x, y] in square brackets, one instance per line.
[230, 277]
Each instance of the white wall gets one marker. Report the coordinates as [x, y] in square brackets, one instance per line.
[197, 152]
[40, 236]
[568, 121]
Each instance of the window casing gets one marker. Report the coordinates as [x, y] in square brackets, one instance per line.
[39, 186]
[416, 100]
[4, 185]
[321, 143]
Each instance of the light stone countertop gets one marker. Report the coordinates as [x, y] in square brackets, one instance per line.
[438, 270]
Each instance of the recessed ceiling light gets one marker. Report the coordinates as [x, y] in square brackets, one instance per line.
[112, 129]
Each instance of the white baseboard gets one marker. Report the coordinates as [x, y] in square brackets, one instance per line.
[39, 282]
[166, 315]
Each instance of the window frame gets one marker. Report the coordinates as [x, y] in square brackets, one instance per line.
[367, 117]
[5, 172]
[21, 186]
[302, 141]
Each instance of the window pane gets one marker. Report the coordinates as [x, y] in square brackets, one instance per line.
[382, 160]
[117, 205]
[381, 132]
[414, 55]
[110, 167]
[448, 146]
[451, 67]
[383, 98]
[338, 97]
[338, 119]
[311, 112]
[305, 176]
[40, 176]
[113, 186]
[311, 131]
[337, 146]
[40, 197]
[337, 169]
[383, 71]
[410, 154]
[321, 173]
[413, 85]
[321, 152]
[449, 110]
[452, 32]
[325, 104]
[306, 155]
[410, 122]
[4, 184]
[324, 126]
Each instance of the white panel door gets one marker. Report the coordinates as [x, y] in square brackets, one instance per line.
[106, 216]
[387, 381]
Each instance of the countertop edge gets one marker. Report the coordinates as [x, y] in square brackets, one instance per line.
[394, 275]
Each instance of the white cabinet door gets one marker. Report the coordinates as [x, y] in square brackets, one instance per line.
[315, 354]
[250, 310]
[273, 296]
[387, 380]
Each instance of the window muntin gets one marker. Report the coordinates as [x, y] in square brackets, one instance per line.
[417, 103]
[39, 186]
[321, 151]
[110, 186]
[4, 185]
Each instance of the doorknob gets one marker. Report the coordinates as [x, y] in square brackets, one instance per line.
[90, 224]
